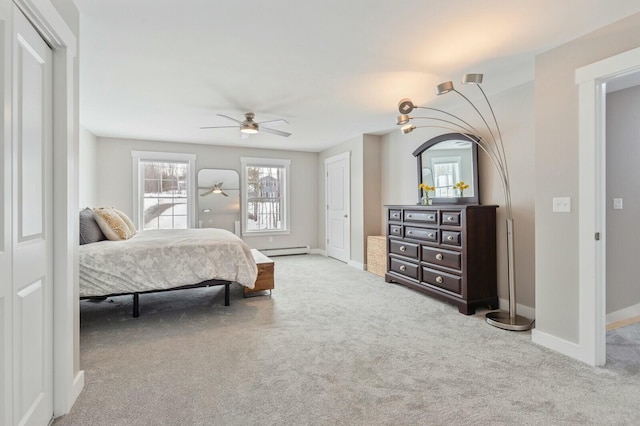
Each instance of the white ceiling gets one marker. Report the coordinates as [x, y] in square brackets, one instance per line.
[334, 69]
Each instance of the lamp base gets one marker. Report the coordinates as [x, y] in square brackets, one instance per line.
[503, 320]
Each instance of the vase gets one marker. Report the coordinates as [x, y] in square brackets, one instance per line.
[425, 201]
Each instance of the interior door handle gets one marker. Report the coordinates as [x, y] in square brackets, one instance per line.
[346, 216]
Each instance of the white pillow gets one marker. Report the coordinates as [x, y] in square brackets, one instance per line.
[112, 224]
[129, 223]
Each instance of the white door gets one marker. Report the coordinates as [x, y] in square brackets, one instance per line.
[32, 233]
[338, 223]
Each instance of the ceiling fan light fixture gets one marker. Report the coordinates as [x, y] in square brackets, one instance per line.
[407, 128]
[249, 128]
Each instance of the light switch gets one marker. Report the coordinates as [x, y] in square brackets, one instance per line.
[562, 204]
[617, 203]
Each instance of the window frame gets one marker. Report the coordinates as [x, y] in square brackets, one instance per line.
[247, 162]
[138, 182]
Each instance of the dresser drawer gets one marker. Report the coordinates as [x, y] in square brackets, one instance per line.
[403, 248]
[450, 218]
[421, 216]
[442, 280]
[452, 238]
[395, 230]
[450, 259]
[421, 233]
[404, 268]
[395, 215]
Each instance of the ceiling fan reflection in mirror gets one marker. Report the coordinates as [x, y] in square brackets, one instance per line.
[215, 189]
[248, 126]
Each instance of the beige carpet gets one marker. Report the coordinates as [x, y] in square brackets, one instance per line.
[332, 345]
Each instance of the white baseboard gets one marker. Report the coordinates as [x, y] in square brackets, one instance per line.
[285, 251]
[525, 311]
[624, 314]
[78, 385]
[356, 265]
[557, 344]
[319, 251]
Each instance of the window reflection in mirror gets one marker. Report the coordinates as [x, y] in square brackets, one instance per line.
[219, 199]
[443, 162]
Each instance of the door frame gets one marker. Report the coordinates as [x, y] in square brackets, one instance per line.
[592, 80]
[68, 380]
[339, 157]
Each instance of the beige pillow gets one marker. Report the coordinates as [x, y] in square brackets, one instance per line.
[111, 224]
[130, 225]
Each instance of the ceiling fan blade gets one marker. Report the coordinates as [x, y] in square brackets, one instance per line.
[275, 132]
[274, 122]
[207, 192]
[230, 118]
[225, 194]
[219, 127]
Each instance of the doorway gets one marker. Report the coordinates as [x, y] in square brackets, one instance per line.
[338, 200]
[592, 81]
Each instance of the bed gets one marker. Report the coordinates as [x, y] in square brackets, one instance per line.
[163, 260]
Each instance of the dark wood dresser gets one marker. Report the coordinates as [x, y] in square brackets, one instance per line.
[445, 251]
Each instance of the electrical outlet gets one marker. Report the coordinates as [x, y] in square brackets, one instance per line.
[617, 203]
[562, 204]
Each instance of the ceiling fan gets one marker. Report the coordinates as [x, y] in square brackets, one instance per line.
[215, 189]
[248, 126]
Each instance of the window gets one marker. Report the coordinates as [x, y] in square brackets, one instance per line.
[446, 174]
[265, 185]
[164, 185]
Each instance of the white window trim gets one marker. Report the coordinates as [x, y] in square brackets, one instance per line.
[138, 156]
[265, 162]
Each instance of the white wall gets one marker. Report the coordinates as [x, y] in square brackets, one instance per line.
[115, 181]
[556, 161]
[514, 111]
[88, 187]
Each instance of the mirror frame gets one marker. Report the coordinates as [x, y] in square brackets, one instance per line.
[475, 199]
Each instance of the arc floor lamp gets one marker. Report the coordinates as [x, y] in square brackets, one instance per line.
[494, 149]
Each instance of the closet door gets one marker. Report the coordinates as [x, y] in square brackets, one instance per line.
[32, 233]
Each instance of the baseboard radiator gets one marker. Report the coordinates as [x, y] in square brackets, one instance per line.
[286, 251]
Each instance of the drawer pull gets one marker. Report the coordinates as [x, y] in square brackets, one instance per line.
[439, 279]
[430, 235]
[439, 256]
[403, 268]
[395, 215]
[450, 218]
[403, 248]
[430, 217]
[450, 238]
[395, 230]
[409, 215]
[409, 232]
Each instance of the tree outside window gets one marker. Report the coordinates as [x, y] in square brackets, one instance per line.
[265, 205]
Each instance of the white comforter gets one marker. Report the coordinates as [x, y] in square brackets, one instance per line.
[162, 259]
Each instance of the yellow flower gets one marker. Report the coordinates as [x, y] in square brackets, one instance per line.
[426, 188]
[461, 186]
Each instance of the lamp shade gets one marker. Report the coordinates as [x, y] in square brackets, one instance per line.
[405, 106]
[402, 119]
[443, 88]
[472, 78]
[408, 128]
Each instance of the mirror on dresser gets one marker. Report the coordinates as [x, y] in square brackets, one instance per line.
[219, 199]
[443, 162]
